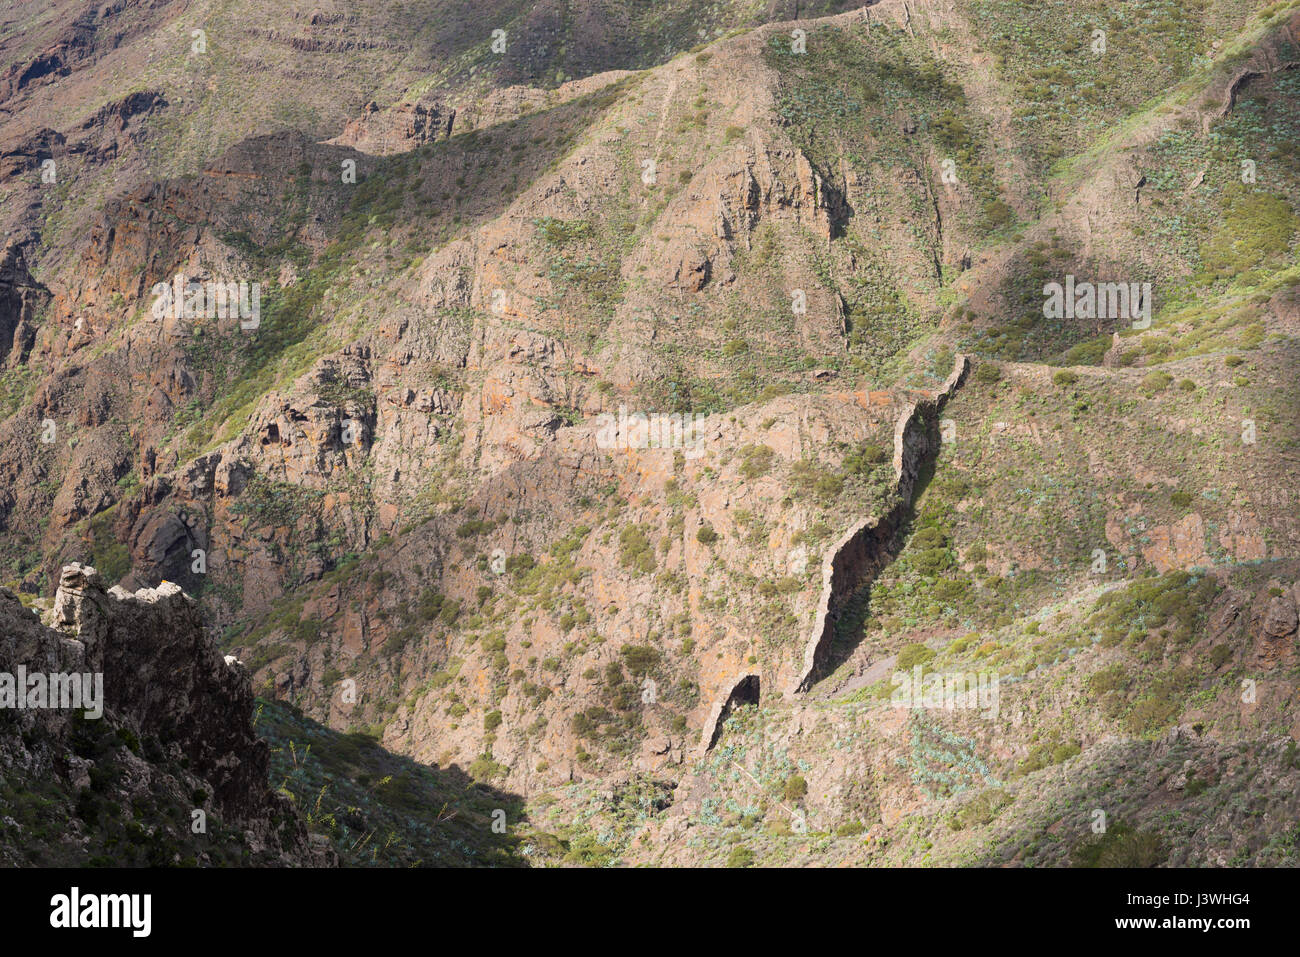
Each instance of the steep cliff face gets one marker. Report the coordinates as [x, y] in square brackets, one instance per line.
[22, 299]
[161, 727]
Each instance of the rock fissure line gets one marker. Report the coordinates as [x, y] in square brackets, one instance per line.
[862, 551]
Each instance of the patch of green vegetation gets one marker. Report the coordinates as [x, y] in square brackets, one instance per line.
[1120, 846]
[1066, 91]
[755, 460]
[635, 549]
[1257, 230]
[909, 656]
[796, 788]
[980, 810]
[616, 725]
[1155, 382]
[1045, 755]
[740, 856]
[1177, 599]
[382, 810]
[109, 554]
[640, 659]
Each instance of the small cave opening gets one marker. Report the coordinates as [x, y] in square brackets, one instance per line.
[745, 692]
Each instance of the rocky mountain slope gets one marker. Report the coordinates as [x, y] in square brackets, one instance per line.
[418, 495]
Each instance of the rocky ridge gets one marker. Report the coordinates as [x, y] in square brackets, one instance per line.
[176, 735]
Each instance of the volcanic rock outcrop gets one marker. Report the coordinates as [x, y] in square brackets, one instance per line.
[175, 730]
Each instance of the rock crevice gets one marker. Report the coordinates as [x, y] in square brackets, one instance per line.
[860, 553]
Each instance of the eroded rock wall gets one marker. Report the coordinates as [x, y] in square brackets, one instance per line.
[864, 549]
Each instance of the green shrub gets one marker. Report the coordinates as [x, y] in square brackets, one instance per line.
[635, 550]
[864, 459]
[909, 656]
[1156, 381]
[1120, 846]
[980, 810]
[796, 788]
[997, 213]
[755, 460]
[587, 851]
[640, 659]
[558, 232]
[520, 563]
[1062, 753]
[1088, 353]
[1151, 714]
[740, 856]
[484, 768]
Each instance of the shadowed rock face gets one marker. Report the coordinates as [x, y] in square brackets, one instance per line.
[747, 692]
[20, 299]
[167, 693]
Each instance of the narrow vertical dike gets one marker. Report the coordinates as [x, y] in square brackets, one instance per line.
[857, 558]
[853, 563]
